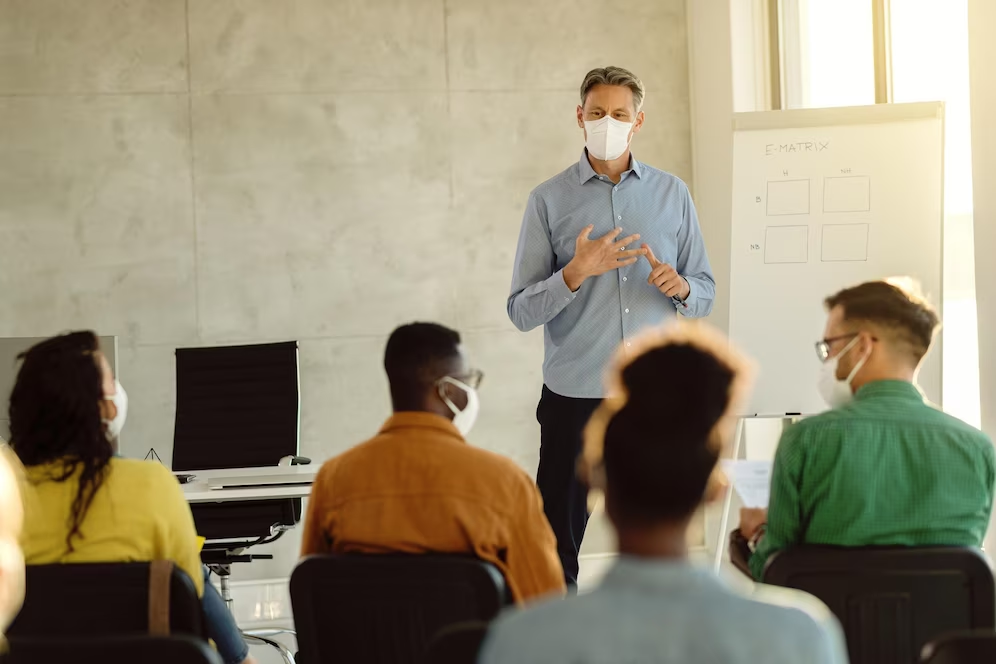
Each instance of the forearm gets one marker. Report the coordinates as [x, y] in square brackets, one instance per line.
[701, 294]
[540, 303]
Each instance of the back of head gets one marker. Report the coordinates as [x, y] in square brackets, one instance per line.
[903, 319]
[417, 356]
[55, 414]
[654, 444]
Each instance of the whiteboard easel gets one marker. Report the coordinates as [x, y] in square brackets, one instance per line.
[724, 521]
[824, 199]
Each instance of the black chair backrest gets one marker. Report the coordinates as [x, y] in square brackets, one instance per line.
[457, 644]
[236, 406]
[892, 600]
[111, 650]
[387, 608]
[101, 599]
[970, 647]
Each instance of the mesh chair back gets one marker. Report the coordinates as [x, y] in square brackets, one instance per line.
[892, 600]
[236, 406]
[967, 647]
[457, 644]
[386, 608]
[101, 599]
[111, 650]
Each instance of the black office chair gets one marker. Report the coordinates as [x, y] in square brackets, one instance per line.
[239, 407]
[968, 647]
[891, 601]
[111, 650]
[457, 644]
[108, 599]
[387, 608]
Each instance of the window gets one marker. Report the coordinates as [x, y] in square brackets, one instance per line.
[930, 63]
[827, 59]
[827, 53]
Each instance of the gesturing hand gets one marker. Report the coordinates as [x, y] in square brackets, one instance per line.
[595, 257]
[665, 278]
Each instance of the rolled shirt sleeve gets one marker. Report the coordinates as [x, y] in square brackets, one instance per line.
[693, 264]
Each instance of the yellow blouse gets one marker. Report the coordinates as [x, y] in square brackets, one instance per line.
[138, 514]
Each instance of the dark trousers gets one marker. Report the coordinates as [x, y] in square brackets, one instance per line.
[565, 498]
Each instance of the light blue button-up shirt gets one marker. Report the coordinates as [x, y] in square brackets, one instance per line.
[655, 612]
[584, 328]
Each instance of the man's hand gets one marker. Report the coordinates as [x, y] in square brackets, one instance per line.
[751, 520]
[665, 278]
[595, 257]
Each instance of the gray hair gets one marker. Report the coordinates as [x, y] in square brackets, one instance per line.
[614, 76]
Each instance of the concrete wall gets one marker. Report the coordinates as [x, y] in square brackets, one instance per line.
[196, 172]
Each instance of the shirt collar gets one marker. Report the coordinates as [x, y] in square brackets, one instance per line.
[587, 172]
[677, 577]
[889, 388]
[421, 420]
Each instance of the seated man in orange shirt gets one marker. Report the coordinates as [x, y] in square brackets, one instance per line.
[418, 487]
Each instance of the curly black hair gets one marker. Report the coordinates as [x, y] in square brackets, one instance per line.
[55, 416]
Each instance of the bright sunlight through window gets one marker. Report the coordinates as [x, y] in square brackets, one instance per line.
[929, 63]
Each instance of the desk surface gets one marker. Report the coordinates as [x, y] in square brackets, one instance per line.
[282, 482]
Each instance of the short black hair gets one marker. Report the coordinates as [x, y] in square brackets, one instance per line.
[659, 451]
[417, 355]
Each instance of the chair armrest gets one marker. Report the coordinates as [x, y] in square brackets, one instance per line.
[740, 552]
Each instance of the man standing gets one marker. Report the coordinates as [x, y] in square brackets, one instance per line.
[578, 273]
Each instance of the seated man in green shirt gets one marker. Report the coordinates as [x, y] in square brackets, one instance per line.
[883, 466]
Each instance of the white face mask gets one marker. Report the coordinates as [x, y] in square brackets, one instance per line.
[607, 138]
[120, 401]
[464, 419]
[837, 392]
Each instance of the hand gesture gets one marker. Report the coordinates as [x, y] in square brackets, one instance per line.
[665, 278]
[595, 257]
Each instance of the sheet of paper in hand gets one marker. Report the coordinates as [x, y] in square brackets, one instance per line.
[750, 479]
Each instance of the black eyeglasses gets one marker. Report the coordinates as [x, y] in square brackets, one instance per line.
[823, 345]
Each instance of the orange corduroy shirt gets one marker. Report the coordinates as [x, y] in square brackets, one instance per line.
[418, 487]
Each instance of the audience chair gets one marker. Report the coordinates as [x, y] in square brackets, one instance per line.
[108, 599]
[112, 650]
[387, 608]
[457, 644]
[239, 407]
[891, 601]
[968, 647]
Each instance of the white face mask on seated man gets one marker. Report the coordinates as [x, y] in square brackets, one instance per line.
[463, 419]
[837, 391]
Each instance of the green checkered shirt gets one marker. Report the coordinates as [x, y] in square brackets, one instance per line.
[886, 469]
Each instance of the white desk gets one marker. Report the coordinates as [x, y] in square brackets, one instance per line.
[254, 483]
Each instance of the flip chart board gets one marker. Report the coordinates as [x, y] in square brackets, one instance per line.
[824, 199]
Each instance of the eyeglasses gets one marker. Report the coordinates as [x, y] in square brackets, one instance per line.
[823, 345]
[472, 379]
